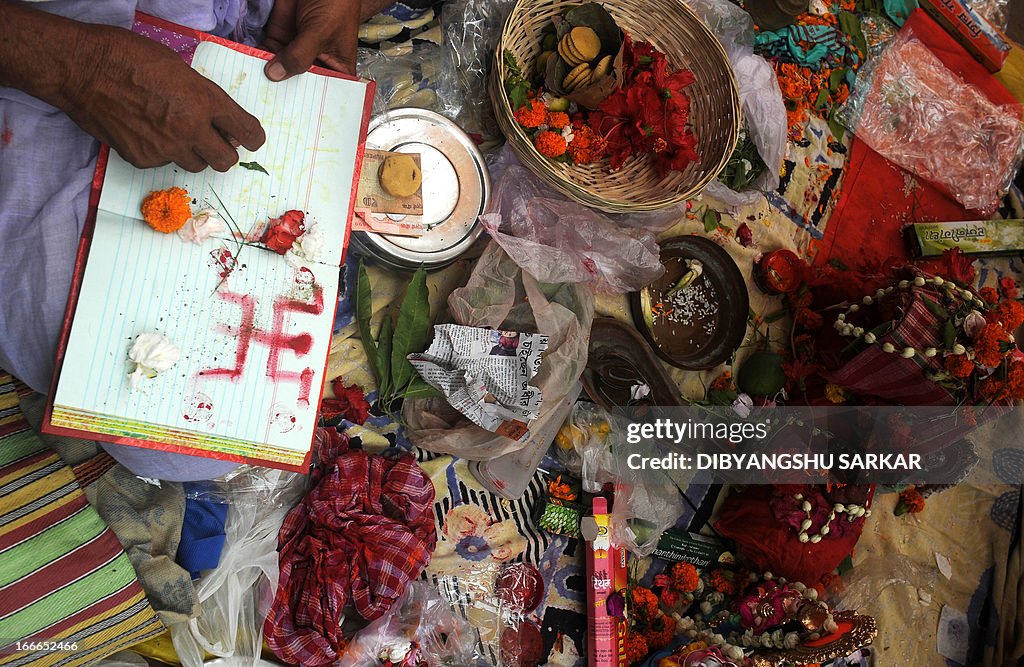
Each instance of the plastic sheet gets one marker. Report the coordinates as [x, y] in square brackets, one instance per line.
[501, 296]
[560, 241]
[422, 627]
[235, 597]
[915, 112]
[764, 112]
[251, 485]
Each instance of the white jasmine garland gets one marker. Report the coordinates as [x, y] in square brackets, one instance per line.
[152, 354]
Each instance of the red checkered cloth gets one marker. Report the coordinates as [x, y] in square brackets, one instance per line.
[890, 377]
[364, 530]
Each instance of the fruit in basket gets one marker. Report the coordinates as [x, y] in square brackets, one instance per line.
[550, 42]
[558, 104]
[542, 61]
[577, 77]
[579, 45]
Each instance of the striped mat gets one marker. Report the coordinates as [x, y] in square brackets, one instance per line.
[68, 594]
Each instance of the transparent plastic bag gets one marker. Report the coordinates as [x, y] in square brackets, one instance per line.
[915, 112]
[236, 595]
[764, 112]
[251, 485]
[560, 241]
[407, 80]
[470, 30]
[422, 625]
[499, 295]
[652, 505]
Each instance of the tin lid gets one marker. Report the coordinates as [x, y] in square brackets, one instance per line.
[455, 187]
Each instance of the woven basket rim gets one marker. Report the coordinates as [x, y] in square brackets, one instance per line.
[554, 172]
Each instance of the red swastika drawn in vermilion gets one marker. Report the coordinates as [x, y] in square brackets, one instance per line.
[276, 339]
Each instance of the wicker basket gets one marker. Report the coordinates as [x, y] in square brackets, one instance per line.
[715, 114]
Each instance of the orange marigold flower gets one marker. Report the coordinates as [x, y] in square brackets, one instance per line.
[722, 581]
[722, 383]
[660, 633]
[1009, 313]
[167, 210]
[532, 114]
[558, 119]
[550, 144]
[636, 647]
[995, 388]
[989, 345]
[809, 319]
[684, 577]
[989, 294]
[912, 500]
[586, 145]
[834, 393]
[645, 603]
[958, 365]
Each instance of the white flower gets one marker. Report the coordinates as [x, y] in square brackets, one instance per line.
[973, 323]
[791, 640]
[959, 349]
[734, 653]
[309, 247]
[830, 625]
[567, 134]
[705, 607]
[152, 354]
[201, 226]
[888, 348]
[639, 391]
[742, 405]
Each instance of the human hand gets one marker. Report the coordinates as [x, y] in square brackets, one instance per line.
[300, 32]
[148, 105]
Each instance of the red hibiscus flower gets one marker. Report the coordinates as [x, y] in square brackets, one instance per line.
[348, 403]
[671, 83]
[959, 266]
[1008, 288]
[282, 232]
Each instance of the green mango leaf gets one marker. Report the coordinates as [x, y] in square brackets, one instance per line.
[364, 312]
[711, 220]
[836, 79]
[385, 338]
[821, 100]
[253, 166]
[948, 334]
[936, 309]
[413, 330]
[849, 24]
[517, 94]
[834, 126]
[420, 389]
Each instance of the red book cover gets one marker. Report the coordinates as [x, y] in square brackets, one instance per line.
[251, 327]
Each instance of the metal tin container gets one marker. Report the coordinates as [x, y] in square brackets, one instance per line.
[456, 187]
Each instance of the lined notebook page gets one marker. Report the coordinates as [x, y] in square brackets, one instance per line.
[253, 345]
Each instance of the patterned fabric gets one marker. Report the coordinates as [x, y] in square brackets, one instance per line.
[895, 379]
[64, 576]
[364, 530]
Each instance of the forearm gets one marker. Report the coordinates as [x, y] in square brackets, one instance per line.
[43, 54]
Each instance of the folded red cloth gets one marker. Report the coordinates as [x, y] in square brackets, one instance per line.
[877, 199]
[364, 530]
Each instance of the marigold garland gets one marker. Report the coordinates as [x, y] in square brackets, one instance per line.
[989, 294]
[550, 144]
[990, 345]
[636, 647]
[660, 633]
[168, 210]
[722, 383]
[685, 578]
[911, 501]
[644, 603]
[1009, 313]
[958, 365]
[586, 145]
[721, 581]
[834, 393]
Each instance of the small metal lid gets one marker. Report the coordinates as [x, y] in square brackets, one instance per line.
[455, 188]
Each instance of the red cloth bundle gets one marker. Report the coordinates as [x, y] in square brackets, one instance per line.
[364, 530]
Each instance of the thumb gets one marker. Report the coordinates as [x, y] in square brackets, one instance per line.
[295, 58]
